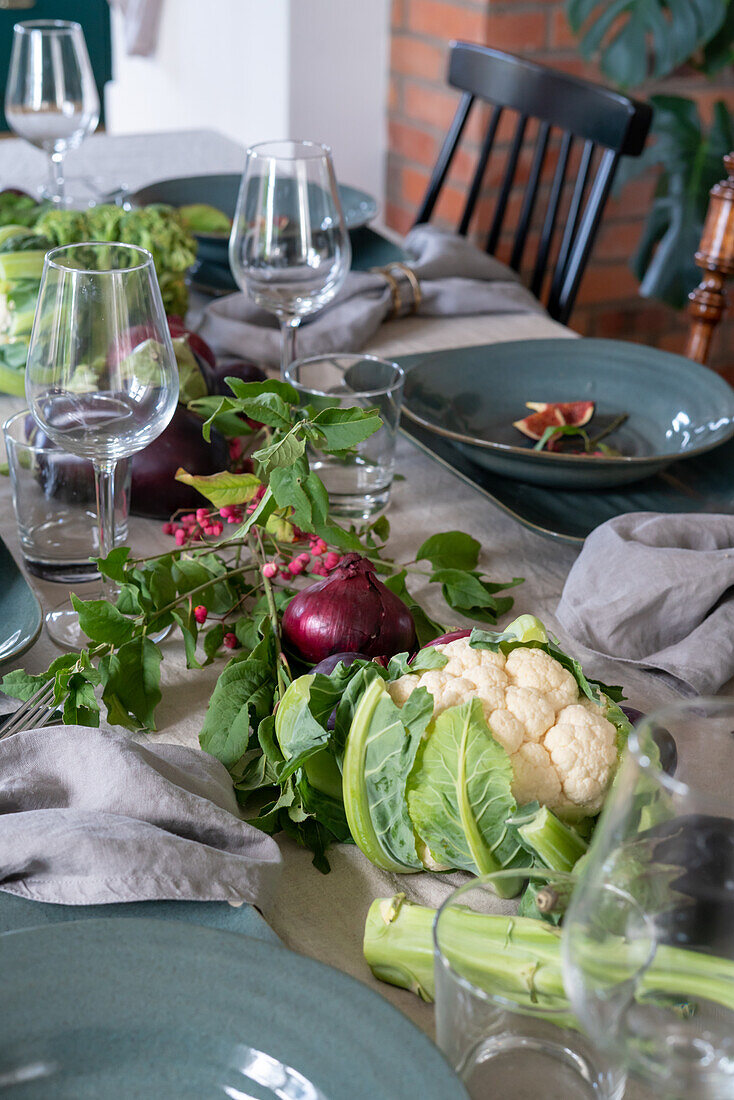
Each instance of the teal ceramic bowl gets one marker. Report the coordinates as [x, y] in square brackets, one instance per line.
[21, 617]
[471, 396]
[220, 190]
[116, 1009]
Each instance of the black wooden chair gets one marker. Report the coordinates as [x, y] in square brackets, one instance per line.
[603, 120]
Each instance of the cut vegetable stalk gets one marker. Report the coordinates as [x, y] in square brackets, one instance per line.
[21, 265]
[558, 846]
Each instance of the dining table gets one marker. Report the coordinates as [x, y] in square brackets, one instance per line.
[319, 915]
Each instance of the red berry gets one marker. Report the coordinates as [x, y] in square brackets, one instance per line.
[230, 640]
[200, 614]
[180, 537]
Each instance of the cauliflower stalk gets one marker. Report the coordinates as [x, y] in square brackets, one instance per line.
[562, 744]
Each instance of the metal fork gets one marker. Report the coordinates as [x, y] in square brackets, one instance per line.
[39, 710]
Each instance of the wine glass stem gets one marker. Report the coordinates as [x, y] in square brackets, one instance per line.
[288, 326]
[58, 184]
[104, 480]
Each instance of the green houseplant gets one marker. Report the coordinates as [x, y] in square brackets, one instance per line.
[638, 40]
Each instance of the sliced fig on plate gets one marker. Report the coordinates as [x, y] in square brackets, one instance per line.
[577, 413]
[533, 426]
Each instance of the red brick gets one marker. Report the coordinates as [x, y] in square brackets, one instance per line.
[430, 105]
[524, 31]
[393, 96]
[562, 37]
[412, 57]
[576, 66]
[398, 14]
[617, 240]
[607, 283]
[398, 217]
[413, 184]
[446, 21]
[634, 200]
[413, 143]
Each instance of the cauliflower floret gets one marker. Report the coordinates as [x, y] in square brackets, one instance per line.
[535, 777]
[534, 668]
[462, 659]
[583, 748]
[506, 729]
[401, 689]
[447, 691]
[531, 709]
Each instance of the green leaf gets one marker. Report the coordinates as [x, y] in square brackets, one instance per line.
[242, 697]
[472, 596]
[188, 625]
[115, 564]
[213, 640]
[261, 402]
[426, 628]
[342, 429]
[102, 622]
[460, 793]
[131, 684]
[284, 452]
[425, 659]
[223, 488]
[380, 752]
[450, 550]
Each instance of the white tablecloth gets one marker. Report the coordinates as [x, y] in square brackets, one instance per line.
[323, 916]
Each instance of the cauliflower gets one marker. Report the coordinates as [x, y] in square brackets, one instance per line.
[562, 747]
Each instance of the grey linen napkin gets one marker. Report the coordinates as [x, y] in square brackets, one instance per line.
[456, 279]
[657, 591]
[89, 817]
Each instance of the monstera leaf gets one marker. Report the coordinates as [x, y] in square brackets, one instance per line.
[691, 158]
[640, 38]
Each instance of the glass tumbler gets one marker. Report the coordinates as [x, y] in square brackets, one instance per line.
[359, 481]
[55, 504]
[502, 1017]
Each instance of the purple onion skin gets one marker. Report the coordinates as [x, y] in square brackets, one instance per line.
[452, 636]
[351, 611]
[327, 666]
[663, 739]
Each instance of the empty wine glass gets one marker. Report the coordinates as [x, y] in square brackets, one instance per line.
[289, 248]
[649, 935]
[51, 98]
[101, 377]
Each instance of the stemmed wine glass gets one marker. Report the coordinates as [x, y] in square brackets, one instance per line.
[649, 935]
[289, 248]
[51, 99]
[101, 377]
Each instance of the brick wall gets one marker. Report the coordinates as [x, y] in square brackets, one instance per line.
[421, 106]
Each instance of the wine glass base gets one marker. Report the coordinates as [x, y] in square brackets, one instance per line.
[62, 625]
[81, 192]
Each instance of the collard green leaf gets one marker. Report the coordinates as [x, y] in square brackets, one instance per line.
[460, 793]
[131, 683]
[380, 752]
[102, 622]
[450, 550]
[222, 489]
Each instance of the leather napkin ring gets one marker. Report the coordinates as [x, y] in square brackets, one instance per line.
[405, 289]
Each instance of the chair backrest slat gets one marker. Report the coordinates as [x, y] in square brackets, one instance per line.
[445, 157]
[551, 213]
[499, 211]
[531, 194]
[591, 115]
[476, 183]
[572, 219]
[584, 239]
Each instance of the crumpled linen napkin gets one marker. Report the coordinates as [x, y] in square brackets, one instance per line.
[657, 591]
[90, 817]
[456, 279]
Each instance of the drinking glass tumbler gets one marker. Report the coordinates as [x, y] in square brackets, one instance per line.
[503, 1020]
[652, 975]
[55, 504]
[358, 482]
[51, 98]
[289, 248]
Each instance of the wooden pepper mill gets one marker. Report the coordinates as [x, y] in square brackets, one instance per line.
[716, 257]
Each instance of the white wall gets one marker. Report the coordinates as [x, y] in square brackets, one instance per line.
[265, 69]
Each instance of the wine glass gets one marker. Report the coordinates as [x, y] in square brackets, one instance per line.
[101, 377]
[289, 248]
[649, 936]
[51, 98]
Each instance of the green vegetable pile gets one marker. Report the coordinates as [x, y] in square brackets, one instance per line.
[29, 229]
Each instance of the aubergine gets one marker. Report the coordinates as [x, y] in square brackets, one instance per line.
[154, 491]
[235, 368]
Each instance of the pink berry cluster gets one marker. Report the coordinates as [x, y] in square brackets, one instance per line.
[194, 526]
[201, 613]
[318, 560]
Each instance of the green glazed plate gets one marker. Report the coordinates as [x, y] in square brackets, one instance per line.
[471, 396]
[21, 617]
[113, 1008]
[704, 484]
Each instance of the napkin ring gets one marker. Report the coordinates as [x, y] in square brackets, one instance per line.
[405, 289]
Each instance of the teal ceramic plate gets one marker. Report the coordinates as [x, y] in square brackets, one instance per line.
[104, 1009]
[704, 484]
[21, 617]
[676, 408]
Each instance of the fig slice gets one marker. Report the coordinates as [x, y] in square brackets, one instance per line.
[534, 426]
[577, 413]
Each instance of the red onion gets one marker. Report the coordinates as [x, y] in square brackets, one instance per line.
[350, 611]
[453, 636]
